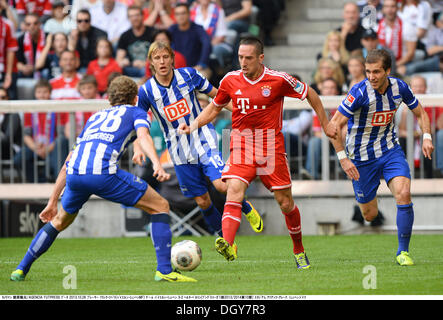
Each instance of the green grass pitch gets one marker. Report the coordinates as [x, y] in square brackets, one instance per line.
[126, 266]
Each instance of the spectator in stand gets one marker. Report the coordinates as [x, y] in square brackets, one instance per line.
[434, 50]
[159, 14]
[334, 48]
[40, 133]
[104, 65]
[87, 88]
[212, 18]
[8, 49]
[10, 131]
[48, 61]
[8, 13]
[418, 15]
[133, 46]
[60, 21]
[419, 86]
[84, 39]
[42, 8]
[370, 42]
[328, 68]
[435, 83]
[191, 40]
[64, 87]
[268, 16]
[78, 5]
[111, 16]
[238, 13]
[351, 29]
[356, 68]
[366, 8]
[179, 59]
[30, 46]
[328, 87]
[396, 35]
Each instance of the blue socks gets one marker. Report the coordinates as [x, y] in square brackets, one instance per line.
[405, 219]
[41, 243]
[213, 219]
[161, 237]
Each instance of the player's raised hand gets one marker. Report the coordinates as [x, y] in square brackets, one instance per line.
[183, 128]
[48, 213]
[350, 169]
[427, 148]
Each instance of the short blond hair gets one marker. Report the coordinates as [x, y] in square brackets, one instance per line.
[122, 90]
[158, 45]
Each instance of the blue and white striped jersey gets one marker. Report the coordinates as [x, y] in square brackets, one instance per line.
[104, 138]
[371, 127]
[178, 104]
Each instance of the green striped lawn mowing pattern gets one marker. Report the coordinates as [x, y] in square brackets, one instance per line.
[265, 266]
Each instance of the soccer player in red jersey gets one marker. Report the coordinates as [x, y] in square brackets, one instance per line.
[257, 143]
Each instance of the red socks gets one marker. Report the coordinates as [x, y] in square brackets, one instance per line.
[294, 227]
[231, 220]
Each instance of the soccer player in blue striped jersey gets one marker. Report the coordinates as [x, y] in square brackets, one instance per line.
[171, 95]
[91, 168]
[372, 147]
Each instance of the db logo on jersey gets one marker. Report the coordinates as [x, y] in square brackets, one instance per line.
[177, 110]
[382, 118]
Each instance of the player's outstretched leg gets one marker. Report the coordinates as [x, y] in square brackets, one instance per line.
[41, 243]
[293, 223]
[151, 202]
[211, 215]
[405, 220]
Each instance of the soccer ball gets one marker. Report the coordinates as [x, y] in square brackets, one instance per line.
[186, 255]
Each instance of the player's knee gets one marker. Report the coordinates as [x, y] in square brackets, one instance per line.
[164, 206]
[61, 222]
[403, 196]
[369, 214]
[286, 204]
[204, 201]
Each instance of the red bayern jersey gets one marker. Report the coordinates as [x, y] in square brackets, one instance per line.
[258, 104]
[65, 89]
[40, 7]
[7, 43]
[257, 112]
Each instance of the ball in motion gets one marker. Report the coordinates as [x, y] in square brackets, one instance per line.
[186, 255]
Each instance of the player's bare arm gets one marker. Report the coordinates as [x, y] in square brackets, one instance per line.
[207, 115]
[147, 146]
[316, 104]
[339, 121]
[50, 211]
[425, 126]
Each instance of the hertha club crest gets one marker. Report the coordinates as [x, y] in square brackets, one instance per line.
[266, 91]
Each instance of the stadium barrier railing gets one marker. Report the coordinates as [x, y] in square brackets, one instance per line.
[10, 175]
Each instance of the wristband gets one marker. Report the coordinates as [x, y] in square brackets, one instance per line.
[427, 136]
[341, 155]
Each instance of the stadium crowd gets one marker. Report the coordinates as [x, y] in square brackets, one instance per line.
[72, 49]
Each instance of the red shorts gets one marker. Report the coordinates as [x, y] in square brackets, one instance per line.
[274, 174]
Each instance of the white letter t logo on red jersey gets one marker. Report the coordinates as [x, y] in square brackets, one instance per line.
[243, 104]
